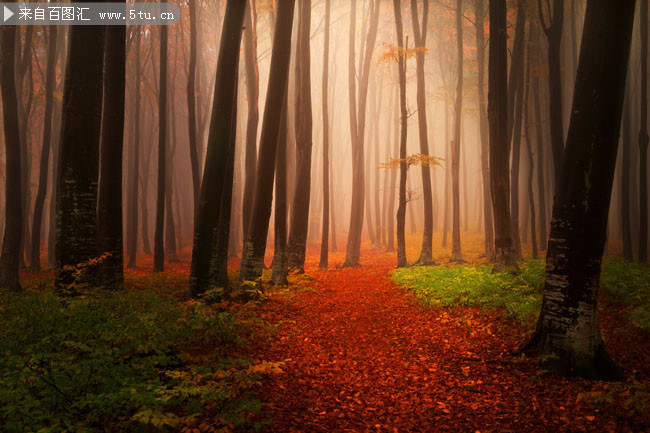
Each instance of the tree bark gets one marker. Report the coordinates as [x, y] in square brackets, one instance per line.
[219, 152]
[456, 255]
[539, 143]
[9, 261]
[626, 144]
[567, 337]
[324, 248]
[498, 120]
[76, 231]
[191, 104]
[109, 206]
[401, 208]
[280, 269]
[255, 244]
[514, 169]
[159, 243]
[50, 82]
[132, 222]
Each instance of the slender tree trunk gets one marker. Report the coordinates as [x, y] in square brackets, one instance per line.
[445, 221]
[420, 39]
[252, 96]
[191, 104]
[50, 82]
[554, 37]
[144, 186]
[401, 208]
[220, 151]
[255, 244]
[626, 229]
[643, 139]
[109, 205]
[132, 223]
[514, 169]
[390, 246]
[498, 119]
[159, 246]
[76, 231]
[531, 165]
[280, 268]
[539, 142]
[567, 337]
[326, 146]
[456, 255]
[9, 261]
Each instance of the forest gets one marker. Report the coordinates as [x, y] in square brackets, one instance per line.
[325, 216]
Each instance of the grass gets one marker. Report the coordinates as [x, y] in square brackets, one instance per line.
[520, 295]
[141, 359]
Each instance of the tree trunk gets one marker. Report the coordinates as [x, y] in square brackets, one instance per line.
[539, 142]
[626, 144]
[191, 104]
[420, 39]
[554, 37]
[9, 261]
[456, 255]
[326, 146]
[390, 244]
[643, 139]
[50, 82]
[514, 169]
[401, 208]
[159, 243]
[280, 269]
[252, 96]
[132, 219]
[529, 148]
[567, 336]
[498, 119]
[76, 231]
[219, 151]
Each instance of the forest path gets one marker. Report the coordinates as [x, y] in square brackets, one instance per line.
[361, 355]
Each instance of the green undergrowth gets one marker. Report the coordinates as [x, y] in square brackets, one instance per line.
[519, 295]
[141, 359]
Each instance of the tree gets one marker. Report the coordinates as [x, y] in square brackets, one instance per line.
[219, 151]
[280, 269]
[529, 148]
[456, 255]
[9, 261]
[539, 143]
[625, 179]
[357, 129]
[255, 244]
[39, 203]
[109, 206]
[643, 139]
[326, 148]
[420, 39]
[252, 95]
[191, 104]
[553, 32]
[484, 131]
[159, 242]
[401, 208]
[567, 335]
[498, 120]
[301, 197]
[134, 178]
[76, 219]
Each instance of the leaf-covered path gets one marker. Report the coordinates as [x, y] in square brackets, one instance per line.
[361, 355]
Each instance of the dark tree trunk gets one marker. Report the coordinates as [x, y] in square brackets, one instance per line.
[568, 323]
[144, 186]
[255, 244]
[539, 142]
[554, 37]
[191, 104]
[420, 39]
[514, 169]
[159, 235]
[626, 145]
[23, 68]
[301, 197]
[326, 146]
[456, 255]
[219, 151]
[357, 131]
[76, 219]
[643, 139]
[109, 205]
[50, 82]
[9, 261]
[498, 119]
[280, 269]
[531, 160]
[132, 214]
[401, 208]
[252, 95]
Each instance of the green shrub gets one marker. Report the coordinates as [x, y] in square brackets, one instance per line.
[519, 295]
[629, 283]
[114, 361]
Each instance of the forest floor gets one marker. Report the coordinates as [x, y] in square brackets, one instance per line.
[359, 353]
